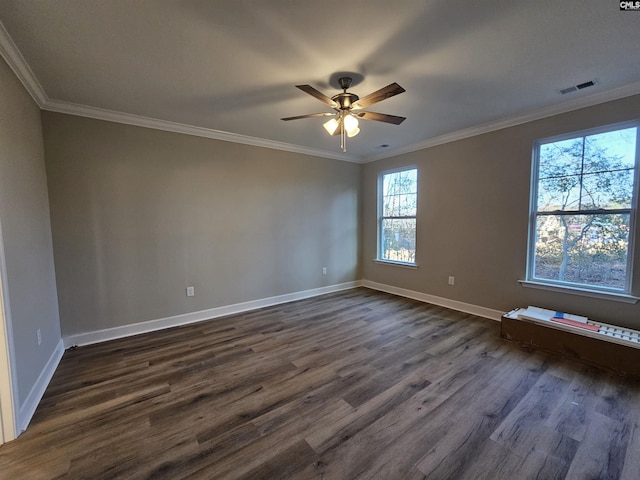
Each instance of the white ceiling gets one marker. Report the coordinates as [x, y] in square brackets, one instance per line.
[231, 66]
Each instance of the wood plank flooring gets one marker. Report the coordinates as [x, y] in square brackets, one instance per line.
[353, 385]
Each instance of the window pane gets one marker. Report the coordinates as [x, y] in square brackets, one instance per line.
[559, 193]
[607, 190]
[589, 172]
[610, 149]
[585, 249]
[560, 158]
[390, 206]
[399, 240]
[407, 205]
[399, 193]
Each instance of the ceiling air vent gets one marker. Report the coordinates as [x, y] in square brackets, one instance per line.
[564, 91]
[575, 88]
[590, 83]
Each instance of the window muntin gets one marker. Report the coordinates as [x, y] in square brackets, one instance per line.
[398, 200]
[583, 197]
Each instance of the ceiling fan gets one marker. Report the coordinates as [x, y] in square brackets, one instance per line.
[347, 106]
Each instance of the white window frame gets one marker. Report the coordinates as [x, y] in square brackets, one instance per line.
[622, 294]
[380, 243]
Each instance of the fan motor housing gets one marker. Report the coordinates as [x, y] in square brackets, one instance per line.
[345, 100]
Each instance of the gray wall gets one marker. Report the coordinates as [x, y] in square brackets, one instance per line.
[139, 214]
[26, 231]
[473, 206]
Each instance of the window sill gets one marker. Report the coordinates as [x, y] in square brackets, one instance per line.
[616, 297]
[412, 266]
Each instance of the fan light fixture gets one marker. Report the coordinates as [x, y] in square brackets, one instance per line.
[344, 122]
[331, 126]
[348, 120]
[351, 125]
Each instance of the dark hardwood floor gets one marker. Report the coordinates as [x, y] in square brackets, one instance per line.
[353, 385]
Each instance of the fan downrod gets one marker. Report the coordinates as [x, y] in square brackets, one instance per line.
[345, 82]
[345, 100]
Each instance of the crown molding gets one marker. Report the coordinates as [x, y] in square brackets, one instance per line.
[140, 121]
[564, 107]
[9, 51]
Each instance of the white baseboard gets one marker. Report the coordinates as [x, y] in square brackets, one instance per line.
[28, 408]
[441, 301]
[106, 334]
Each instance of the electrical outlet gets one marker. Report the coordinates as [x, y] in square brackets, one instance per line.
[191, 291]
[452, 280]
[39, 335]
[324, 270]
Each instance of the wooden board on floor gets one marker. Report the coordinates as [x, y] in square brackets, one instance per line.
[600, 352]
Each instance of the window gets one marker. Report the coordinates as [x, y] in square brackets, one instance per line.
[583, 208]
[398, 199]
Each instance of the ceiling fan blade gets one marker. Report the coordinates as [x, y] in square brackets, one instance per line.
[381, 117]
[310, 115]
[319, 95]
[379, 95]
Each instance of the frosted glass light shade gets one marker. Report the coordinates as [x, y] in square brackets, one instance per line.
[351, 125]
[331, 126]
